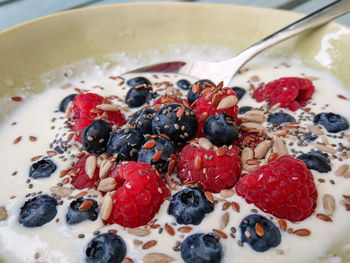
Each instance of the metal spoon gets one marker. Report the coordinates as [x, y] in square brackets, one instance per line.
[225, 70]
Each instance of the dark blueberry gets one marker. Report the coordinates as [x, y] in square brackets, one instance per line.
[75, 216]
[220, 129]
[259, 242]
[138, 81]
[64, 103]
[142, 120]
[316, 161]
[183, 84]
[332, 122]
[106, 248]
[125, 143]
[38, 211]
[201, 248]
[310, 137]
[279, 118]
[324, 155]
[154, 95]
[96, 136]
[192, 97]
[189, 206]
[244, 109]
[167, 147]
[42, 168]
[179, 129]
[58, 149]
[136, 97]
[239, 92]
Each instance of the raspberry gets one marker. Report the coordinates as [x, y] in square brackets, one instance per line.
[207, 105]
[81, 180]
[292, 93]
[215, 172]
[249, 138]
[284, 188]
[139, 198]
[84, 112]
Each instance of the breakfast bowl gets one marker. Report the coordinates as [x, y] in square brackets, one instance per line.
[86, 51]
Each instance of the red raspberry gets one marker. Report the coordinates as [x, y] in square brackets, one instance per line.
[215, 172]
[139, 198]
[207, 105]
[292, 93]
[248, 138]
[84, 112]
[284, 188]
[81, 180]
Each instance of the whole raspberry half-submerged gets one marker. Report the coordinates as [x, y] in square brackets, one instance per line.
[88, 107]
[215, 101]
[217, 170]
[139, 198]
[292, 93]
[284, 188]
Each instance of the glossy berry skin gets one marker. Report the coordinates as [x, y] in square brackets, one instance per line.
[125, 143]
[183, 84]
[244, 109]
[208, 106]
[240, 92]
[332, 122]
[316, 161]
[279, 118]
[201, 248]
[191, 96]
[64, 103]
[80, 179]
[310, 137]
[38, 211]
[41, 169]
[140, 195]
[136, 97]
[271, 235]
[138, 81]
[106, 248]
[164, 145]
[220, 129]
[215, 172]
[292, 93]
[142, 120]
[96, 136]
[179, 129]
[189, 206]
[75, 216]
[284, 188]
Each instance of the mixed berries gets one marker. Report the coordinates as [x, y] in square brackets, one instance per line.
[195, 144]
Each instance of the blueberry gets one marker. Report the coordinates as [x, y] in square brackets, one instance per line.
[244, 109]
[179, 129]
[96, 136]
[38, 211]
[58, 149]
[220, 129]
[192, 97]
[167, 147]
[75, 216]
[136, 97]
[183, 84]
[142, 120]
[239, 92]
[316, 161]
[125, 143]
[310, 137]
[271, 236]
[201, 248]
[189, 206]
[138, 81]
[106, 248]
[279, 118]
[42, 168]
[332, 122]
[64, 103]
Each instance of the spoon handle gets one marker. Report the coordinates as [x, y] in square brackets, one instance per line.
[317, 18]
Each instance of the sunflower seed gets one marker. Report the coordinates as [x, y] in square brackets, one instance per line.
[138, 231]
[342, 170]
[108, 107]
[105, 167]
[227, 102]
[205, 143]
[324, 148]
[257, 118]
[90, 165]
[107, 205]
[226, 193]
[3, 213]
[246, 154]
[107, 184]
[224, 220]
[329, 204]
[313, 129]
[262, 148]
[157, 258]
[279, 146]
[61, 191]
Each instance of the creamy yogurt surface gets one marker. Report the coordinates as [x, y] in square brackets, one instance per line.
[36, 125]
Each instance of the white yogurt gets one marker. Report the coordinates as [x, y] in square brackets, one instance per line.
[58, 242]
